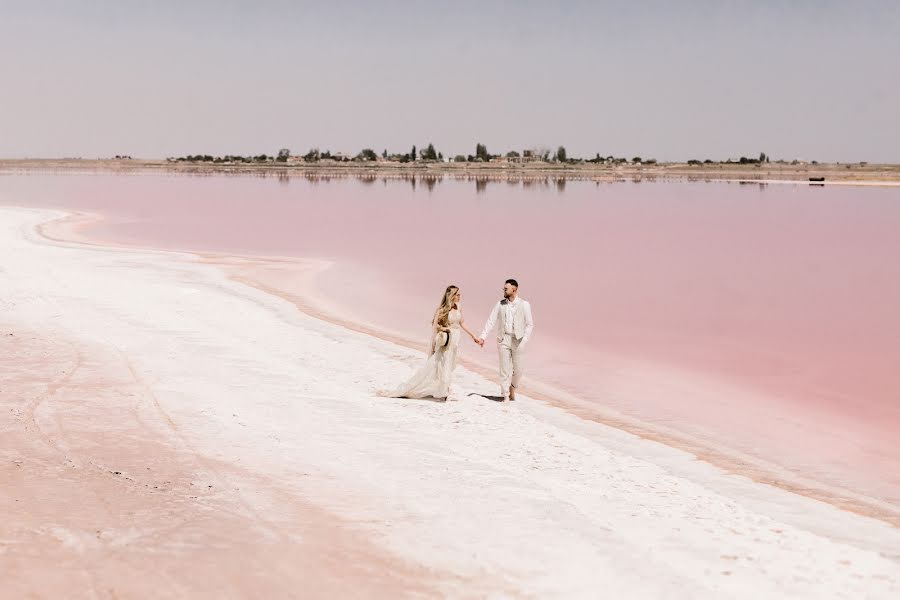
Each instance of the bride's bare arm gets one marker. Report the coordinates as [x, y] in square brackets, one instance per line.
[462, 323]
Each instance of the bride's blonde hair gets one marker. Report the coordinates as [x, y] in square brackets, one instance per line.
[443, 312]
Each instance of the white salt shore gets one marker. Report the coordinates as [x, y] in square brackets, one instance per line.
[171, 432]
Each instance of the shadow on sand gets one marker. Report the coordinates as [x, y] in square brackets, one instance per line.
[488, 397]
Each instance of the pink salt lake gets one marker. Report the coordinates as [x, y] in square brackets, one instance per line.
[761, 320]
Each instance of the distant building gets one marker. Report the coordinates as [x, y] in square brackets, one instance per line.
[528, 156]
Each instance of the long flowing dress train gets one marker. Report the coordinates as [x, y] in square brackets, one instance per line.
[434, 378]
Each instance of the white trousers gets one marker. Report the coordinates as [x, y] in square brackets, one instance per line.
[512, 361]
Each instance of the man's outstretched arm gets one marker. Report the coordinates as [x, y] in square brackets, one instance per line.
[492, 320]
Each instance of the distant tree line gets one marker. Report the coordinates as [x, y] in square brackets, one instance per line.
[430, 154]
[744, 160]
[208, 158]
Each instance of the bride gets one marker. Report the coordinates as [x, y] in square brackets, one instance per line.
[433, 379]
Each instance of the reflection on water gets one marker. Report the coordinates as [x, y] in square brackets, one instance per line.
[480, 180]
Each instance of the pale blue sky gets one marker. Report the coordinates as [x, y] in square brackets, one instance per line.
[670, 80]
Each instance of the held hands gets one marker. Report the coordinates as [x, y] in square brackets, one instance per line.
[478, 341]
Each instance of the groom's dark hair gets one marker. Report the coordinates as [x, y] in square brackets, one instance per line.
[512, 282]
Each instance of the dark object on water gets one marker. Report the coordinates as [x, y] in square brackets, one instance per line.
[817, 179]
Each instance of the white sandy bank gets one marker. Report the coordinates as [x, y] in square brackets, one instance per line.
[496, 500]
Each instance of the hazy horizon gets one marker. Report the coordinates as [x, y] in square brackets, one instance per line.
[812, 80]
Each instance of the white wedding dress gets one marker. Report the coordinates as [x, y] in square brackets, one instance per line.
[433, 379]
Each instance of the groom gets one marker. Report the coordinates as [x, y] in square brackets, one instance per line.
[512, 316]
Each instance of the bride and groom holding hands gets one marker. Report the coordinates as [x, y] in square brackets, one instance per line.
[510, 318]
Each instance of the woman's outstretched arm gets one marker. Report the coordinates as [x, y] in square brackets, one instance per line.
[462, 323]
